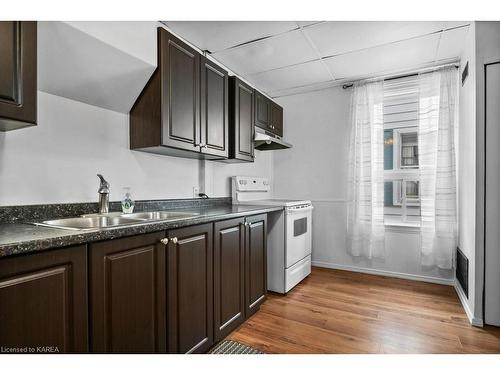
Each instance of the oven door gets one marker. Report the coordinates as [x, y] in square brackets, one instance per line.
[298, 236]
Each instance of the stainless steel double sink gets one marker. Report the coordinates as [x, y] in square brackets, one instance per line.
[114, 219]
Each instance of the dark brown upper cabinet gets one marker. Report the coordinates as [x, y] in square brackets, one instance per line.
[268, 114]
[127, 295]
[190, 289]
[229, 276]
[276, 124]
[262, 110]
[214, 109]
[241, 121]
[43, 301]
[18, 74]
[182, 111]
[256, 262]
[166, 117]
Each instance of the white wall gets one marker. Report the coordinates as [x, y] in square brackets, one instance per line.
[57, 160]
[317, 124]
[467, 163]
[218, 174]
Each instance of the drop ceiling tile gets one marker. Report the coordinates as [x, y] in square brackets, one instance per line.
[336, 37]
[282, 50]
[400, 55]
[451, 43]
[292, 76]
[218, 35]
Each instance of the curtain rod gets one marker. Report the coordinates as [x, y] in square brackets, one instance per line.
[402, 75]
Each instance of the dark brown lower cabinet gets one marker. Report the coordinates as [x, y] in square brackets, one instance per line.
[190, 289]
[229, 276]
[255, 262]
[43, 302]
[144, 296]
[127, 294]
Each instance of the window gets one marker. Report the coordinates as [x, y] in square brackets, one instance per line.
[401, 159]
[408, 150]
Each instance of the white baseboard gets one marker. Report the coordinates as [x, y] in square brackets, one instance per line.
[400, 275]
[478, 322]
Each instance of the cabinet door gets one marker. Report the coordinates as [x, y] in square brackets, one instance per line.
[43, 301]
[18, 79]
[127, 285]
[229, 271]
[242, 123]
[262, 111]
[276, 119]
[255, 262]
[214, 109]
[180, 92]
[190, 289]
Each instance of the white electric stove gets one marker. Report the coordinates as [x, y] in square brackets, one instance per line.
[289, 243]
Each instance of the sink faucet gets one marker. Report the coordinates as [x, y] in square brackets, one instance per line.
[103, 195]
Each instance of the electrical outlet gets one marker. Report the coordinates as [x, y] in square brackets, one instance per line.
[196, 191]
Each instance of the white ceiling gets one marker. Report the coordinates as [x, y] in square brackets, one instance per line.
[283, 57]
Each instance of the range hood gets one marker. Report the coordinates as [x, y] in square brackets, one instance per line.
[265, 141]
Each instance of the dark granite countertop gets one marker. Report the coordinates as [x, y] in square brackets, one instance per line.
[21, 238]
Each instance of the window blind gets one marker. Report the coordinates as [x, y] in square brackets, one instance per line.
[401, 102]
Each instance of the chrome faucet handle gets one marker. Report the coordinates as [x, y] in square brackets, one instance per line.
[104, 186]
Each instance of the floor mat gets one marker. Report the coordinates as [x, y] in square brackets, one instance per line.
[233, 347]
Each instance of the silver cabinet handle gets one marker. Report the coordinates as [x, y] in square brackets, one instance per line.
[164, 241]
[174, 240]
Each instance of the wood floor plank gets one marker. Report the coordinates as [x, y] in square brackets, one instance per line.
[335, 311]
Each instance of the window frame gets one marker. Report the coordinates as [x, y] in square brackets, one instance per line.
[398, 145]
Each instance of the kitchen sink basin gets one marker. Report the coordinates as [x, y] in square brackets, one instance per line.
[160, 215]
[114, 219]
[95, 222]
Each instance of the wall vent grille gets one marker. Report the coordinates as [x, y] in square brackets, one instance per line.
[462, 271]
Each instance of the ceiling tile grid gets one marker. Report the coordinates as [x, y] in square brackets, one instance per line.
[282, 55]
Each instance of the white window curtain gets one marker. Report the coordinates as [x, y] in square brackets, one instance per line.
[365, 211]
[438, 93]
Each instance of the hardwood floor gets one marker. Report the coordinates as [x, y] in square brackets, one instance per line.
[346, 312]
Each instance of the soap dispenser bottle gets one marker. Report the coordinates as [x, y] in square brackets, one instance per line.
[127, 202]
